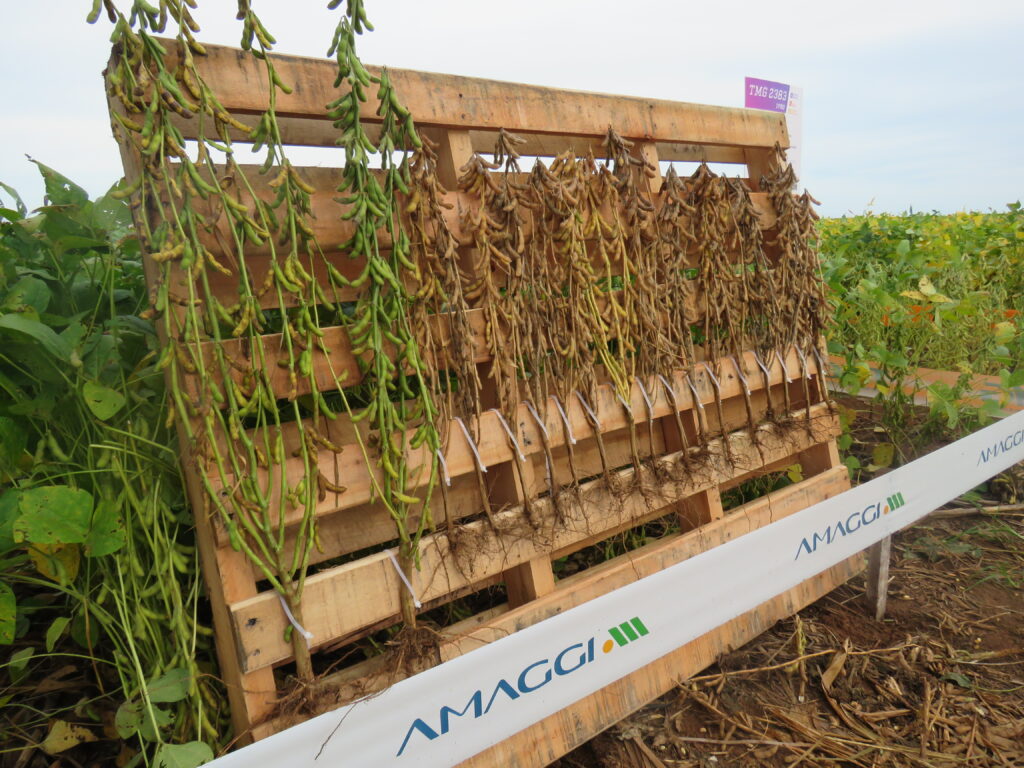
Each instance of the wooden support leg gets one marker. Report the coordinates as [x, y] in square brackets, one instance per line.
[816, 460]
[878, 576]
[700, 509]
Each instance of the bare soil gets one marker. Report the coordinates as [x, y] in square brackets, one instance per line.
[938, 682]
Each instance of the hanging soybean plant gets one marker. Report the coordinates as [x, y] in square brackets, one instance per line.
[401, 411]
[226, 407]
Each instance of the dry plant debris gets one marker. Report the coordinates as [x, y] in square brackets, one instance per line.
[939, 682]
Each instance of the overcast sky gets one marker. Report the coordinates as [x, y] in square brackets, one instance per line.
[906, 103]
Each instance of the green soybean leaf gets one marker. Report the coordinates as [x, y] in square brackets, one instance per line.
[28, 293]
[18, 663]
[44, 334]
[127, 719]
[149, 728]
[59, 189]
[55, 631]
[102, 401]
[169, 687]
[8, 613]
[12, 444]
[54, 514]
[106, 534]
[22, 210]
[9, 512]
[189, 755]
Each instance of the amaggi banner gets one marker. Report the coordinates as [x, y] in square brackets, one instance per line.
[457, 709]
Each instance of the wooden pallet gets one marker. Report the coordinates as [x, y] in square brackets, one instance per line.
[349, 601]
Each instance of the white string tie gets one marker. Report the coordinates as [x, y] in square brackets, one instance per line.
[785, 370]
[696, 397]
[405, 580]
[444, 467]
[742, 376]
[647, 399]
[536, 417]
[822, 369]
[668, 387]
[472, 445]
[565, 420]
[625, 405]
[764, 368]
[590, 413]
[511, 436]
[714, 379]
[803, 362]
[298, 627]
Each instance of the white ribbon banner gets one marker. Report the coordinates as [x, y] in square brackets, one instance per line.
[457, 709]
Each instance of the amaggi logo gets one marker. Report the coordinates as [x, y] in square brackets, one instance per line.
[853, 522]
[999, 447]
[531, 678]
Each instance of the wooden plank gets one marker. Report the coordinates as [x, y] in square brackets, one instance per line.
[240, 83]
[317, 132]
[343, 599]
[546, 741]
[612, 574]
[381, 672]
[878, 577]
[493, 446]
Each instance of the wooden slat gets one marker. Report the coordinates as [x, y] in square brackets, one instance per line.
[493, 446]
[341, 600]
[358, 528]
[625, 569]
[382, 671]
[317, 132]
[240, 83]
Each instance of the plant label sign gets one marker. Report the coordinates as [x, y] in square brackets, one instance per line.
[779, 97]
[765, 94]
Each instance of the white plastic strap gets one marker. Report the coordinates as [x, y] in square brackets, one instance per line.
[444, 467]
[472, 445]
[536, 417]
[647, 399]
[298, 627]
[741, 375]
[565, 420]
[625, 405]
[782, 362]
[511, 436]
[402, 576]
[593, 416]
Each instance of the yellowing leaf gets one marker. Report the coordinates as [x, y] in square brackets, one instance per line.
[795, 473]
[916, 295]
[1004, 332]
[939, 298]
[883, 454]
[58, 562]
[926, 286]
[834, 668]
[63, 735]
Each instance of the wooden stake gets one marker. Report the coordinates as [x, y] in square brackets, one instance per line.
[878, 576]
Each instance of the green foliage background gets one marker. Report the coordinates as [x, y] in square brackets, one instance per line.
[97, 564]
